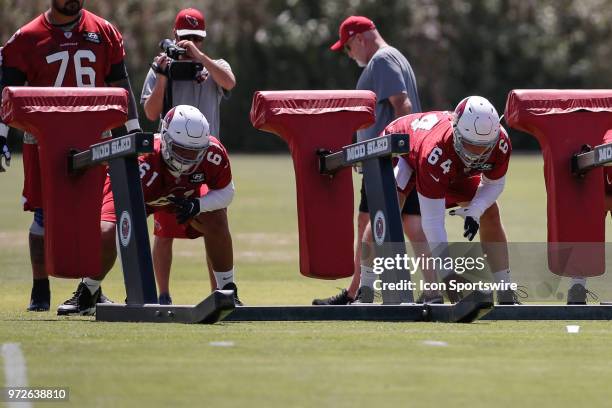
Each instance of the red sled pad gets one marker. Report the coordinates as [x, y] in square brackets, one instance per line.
[308, 121]
[62, 119]
[563, 121]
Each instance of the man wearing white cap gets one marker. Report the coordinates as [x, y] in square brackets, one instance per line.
[205, 92]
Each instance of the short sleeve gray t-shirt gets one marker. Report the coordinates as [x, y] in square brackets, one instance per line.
[204, 94]
[388, 73]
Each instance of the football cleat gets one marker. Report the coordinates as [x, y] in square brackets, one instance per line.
[431, 298]
[577, 295]
[40, 297]
[365, 294]
[83, 302]
[232, 286]
[341, 298]
[510, 297]
[165, 299]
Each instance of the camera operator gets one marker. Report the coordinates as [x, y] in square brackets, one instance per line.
[203, 83]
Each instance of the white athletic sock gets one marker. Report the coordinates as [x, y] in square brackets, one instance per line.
[223, 278]
[92, 284]
[578, 281]
[503, 275]
[367, 277]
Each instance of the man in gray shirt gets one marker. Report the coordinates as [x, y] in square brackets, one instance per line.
[205, 92]
[389, 75]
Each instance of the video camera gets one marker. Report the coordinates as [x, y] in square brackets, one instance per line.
[172, 50]
[179, 70]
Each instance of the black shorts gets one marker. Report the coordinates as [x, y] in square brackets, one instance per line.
[411, 206]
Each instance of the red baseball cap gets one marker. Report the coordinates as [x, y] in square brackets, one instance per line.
[190, 22]
[351, 26]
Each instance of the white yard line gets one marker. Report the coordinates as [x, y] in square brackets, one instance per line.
[15, 371]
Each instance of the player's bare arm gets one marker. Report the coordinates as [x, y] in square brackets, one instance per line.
[401, 104]
[154, 104]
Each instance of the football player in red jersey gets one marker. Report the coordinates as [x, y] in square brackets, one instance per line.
[459, 158]
[64, 46]
[185, 158]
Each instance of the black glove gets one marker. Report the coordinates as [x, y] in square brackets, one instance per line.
[4, 152]
[471, 223]
[185, 208]
[470, 228]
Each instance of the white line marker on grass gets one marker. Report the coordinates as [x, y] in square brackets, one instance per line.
[221, 343]
[435, 343]
[15, 372]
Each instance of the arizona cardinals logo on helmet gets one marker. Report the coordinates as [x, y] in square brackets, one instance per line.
[192, 21]
[169, 116]
[461, 107]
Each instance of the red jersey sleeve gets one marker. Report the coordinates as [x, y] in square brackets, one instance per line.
[500, 157]
[216, 166]
[115, 41]
[14, 53]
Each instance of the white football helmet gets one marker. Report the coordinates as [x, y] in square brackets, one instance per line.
[184, 138]
[475, 122]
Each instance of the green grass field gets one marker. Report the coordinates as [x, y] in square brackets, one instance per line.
[348, 364]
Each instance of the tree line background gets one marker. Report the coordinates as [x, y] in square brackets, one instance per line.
[456, 47]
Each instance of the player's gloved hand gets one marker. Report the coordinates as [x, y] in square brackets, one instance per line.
[185, 208]
[4, 152]
[471, 223]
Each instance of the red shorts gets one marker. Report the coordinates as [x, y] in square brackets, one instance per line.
[460, 191]
[166, 226]
[32, 187]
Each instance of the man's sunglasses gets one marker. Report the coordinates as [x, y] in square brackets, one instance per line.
[192, 38]
[347, 46]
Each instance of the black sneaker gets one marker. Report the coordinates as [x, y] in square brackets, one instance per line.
[40, 297]
[430, 298]
[341, 298]
[83, 302]
[511, 297]
[365, 294]
[232, 286]
[577, 295]
[165, 299]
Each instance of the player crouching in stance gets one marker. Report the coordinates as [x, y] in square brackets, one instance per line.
[185, 157]
[457, 158]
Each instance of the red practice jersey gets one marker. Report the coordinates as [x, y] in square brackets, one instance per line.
[433, 159]
[49, 56]
[158, 184]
